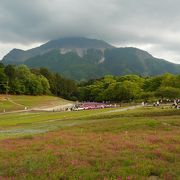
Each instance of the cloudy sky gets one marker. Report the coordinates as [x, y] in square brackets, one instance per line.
[152, 25]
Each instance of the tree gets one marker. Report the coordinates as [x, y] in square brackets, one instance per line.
[10, 71]
[1, 65]
[133, 78]
[152, 83]
[45, 84]
[177, 81]
[83, 93]
[168, 92]
[125, 91]
[29, 83]
[168, 80]
[3, 82]
[147, 95]
[17, 87]
[33, 86]
[109, 93]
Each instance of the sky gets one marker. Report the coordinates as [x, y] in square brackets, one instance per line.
[151, 25]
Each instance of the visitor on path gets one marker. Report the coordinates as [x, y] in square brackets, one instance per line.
[157, 103]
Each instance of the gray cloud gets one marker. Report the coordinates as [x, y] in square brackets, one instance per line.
[154, 24]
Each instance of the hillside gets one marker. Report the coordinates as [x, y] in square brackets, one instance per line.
[120, 61]
[94, 64]
[19, 102]
[17, 56]
[83, 58]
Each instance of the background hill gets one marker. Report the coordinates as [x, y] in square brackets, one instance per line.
[83, 58]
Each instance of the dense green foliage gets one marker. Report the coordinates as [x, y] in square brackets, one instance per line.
[21, 80]
[130, 87]
[59, 85]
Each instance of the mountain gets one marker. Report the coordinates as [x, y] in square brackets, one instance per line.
[136, 61]
[76, 44]
[83, 58]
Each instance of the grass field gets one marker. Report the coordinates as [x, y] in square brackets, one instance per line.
[143, 143]
[14, 102]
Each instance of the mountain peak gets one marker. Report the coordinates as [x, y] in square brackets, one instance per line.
[12, 55]
[77, 42]
[15, 50]
[17, 56]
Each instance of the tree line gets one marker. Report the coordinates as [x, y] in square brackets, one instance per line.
[130, 87]
[22, 80]
[40, 81]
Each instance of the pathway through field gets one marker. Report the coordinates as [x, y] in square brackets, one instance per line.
[11, 101]
[124, 109]
[54, 108]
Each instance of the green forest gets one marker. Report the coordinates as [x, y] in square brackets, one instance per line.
[40, 81]
[130, 87]
[21, 80]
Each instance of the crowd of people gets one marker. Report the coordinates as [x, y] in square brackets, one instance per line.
[92, 105]
[175, 103]
[97, 105]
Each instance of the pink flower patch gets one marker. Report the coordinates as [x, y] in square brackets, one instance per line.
[74, 162]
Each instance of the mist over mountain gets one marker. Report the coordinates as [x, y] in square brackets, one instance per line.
[83, 58]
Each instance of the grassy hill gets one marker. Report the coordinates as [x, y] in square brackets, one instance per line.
[14, 102]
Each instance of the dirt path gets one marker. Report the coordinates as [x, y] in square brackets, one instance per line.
[17, 111]
[124, 109]
[11, 101]
[63, 108]
[54, 108]
[46, 109]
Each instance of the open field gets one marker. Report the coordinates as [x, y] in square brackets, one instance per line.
[14, 102]
[142, 143]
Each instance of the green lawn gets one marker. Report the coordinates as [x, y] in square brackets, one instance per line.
[14, 102]
[8, 106]
[97, 144]
[33, 101]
